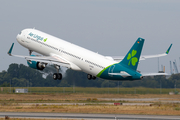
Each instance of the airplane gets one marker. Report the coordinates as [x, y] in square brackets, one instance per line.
[62, 53]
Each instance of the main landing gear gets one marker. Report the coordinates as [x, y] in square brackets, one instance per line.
[91, 77]
[57, 75]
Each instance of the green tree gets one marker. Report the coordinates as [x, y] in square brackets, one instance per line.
[22, 76]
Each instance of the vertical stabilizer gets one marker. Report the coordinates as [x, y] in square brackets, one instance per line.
[131, 60]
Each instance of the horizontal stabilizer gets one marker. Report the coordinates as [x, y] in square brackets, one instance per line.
[122, 73]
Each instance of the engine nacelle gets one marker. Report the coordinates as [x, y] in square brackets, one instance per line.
[36, 65]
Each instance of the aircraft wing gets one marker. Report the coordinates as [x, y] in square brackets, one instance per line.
[124, 74]
[153, 74]
[143, 57]
[53, 59]
[57, 60]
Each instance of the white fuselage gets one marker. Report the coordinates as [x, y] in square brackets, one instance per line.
[45, 44]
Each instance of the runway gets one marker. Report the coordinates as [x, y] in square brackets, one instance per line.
[87, 116]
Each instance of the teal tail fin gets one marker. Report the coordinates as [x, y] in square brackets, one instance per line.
[131, 60]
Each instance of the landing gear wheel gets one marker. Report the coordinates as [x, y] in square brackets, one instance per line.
[93, 77]
[89, 76]
[59, 76]
[55, 76]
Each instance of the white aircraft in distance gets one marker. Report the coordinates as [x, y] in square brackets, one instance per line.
[62, 53]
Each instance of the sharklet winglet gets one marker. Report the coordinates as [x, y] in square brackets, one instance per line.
[168, 49]
[10, 50]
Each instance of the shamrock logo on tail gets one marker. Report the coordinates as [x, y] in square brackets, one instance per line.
[133, 60]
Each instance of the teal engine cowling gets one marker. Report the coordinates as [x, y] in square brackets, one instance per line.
[36, 65]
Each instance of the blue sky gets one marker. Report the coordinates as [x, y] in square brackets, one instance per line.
[109, 27]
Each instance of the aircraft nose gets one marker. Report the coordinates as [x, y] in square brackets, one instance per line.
[18, 38]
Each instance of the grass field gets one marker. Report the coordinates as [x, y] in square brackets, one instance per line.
[75, 97]
[167, 109]
[10, 102]
[91, 90]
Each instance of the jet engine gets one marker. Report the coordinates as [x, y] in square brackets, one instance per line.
[36, 65]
